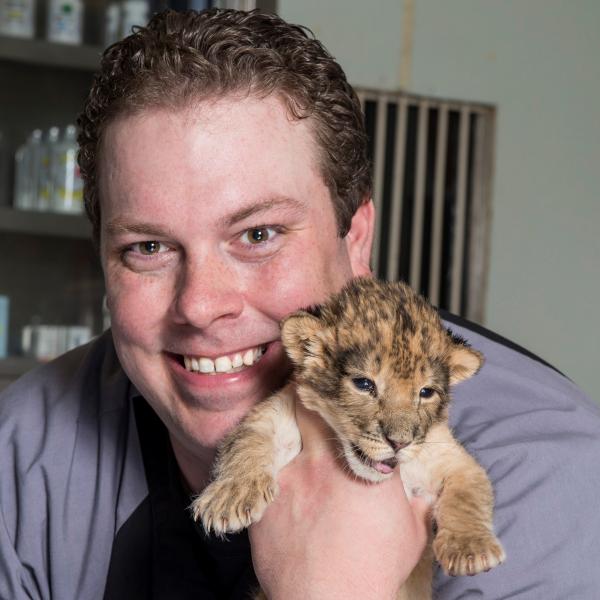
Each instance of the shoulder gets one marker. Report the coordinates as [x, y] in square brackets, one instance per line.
[69, 387]
[70, 469]
[517, 392]
[538, 436]
[58, 413]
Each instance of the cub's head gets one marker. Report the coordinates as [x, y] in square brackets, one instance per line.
[377, 364]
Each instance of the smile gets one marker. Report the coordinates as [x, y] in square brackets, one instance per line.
[224, 364]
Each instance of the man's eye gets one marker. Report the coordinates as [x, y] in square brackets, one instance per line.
[150, 247]
[258, 235]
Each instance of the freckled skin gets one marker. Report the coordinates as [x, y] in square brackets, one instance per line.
[180, 179]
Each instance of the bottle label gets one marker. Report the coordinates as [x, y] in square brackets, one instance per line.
[65, 22]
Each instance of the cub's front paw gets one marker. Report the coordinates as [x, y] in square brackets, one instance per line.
[467, 554]
[228, 505]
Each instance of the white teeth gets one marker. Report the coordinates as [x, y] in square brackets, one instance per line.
[248, 357]
[223, 364]
[206, 365]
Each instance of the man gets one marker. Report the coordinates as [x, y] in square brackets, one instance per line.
[226, 179]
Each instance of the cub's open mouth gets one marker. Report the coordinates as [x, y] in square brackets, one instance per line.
[382, 466]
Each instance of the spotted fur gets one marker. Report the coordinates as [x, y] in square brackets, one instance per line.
[377, 364]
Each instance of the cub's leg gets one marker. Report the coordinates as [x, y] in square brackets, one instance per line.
[465, 543]
[246, 467]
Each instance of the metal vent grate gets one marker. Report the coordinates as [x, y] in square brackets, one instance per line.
[432, 168]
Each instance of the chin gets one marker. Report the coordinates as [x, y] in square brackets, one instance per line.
[207, 430]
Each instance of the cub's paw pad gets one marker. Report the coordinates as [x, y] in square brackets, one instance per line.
[463, 554]
[228, 505]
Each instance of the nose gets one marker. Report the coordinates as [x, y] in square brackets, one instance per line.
[207, 291]
[395, 444]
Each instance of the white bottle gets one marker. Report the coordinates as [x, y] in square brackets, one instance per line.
[3, 169]
[112, 24]
[65, 21]
[133, 12]
[17, 18]
[67, 185]
[22, 198]
[27, 168]
[46, 184]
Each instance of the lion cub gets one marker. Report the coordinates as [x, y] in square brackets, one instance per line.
[377, 364]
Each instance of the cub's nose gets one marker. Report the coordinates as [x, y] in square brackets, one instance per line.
[396, 445]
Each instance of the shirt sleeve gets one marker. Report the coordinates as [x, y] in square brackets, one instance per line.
[538, 437]
[69, 475]
[15, 581]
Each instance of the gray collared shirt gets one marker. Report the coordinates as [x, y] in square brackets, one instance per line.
[72, 474]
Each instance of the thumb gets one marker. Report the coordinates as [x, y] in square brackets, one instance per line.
[317, 436]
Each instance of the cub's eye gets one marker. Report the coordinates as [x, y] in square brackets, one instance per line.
[364, 385]
[426, 392]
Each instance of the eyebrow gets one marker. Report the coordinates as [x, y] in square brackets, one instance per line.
[118, 225]
[262, 206]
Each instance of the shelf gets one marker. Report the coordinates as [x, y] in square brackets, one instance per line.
[44, 223]
[15, 366]
[41, 52]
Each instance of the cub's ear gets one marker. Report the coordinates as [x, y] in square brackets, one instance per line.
[301, 335]
[464, 361]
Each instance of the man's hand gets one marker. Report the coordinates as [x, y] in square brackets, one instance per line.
[331, 536]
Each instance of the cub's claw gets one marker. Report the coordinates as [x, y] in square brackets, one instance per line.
[227, 505]
[467, 554]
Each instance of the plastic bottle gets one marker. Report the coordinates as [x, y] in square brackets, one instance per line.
[3, 169]
[112, 24]
[27, 168]
[22, 198]
[4, 312]
[36, 151]
[65, 21]
[17, 18]
[46, 184]
[133, 12]
[67, 185]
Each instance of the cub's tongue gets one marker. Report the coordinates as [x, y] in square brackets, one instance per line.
[385, 466]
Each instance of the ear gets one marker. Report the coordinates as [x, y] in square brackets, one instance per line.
[299, 332]
[464, 362]
[359, 239]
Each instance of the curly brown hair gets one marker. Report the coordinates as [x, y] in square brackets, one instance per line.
[185, 57]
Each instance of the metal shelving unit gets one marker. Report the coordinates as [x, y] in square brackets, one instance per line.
[47, 263]
[13, 367]
[44, 223]
[41, 52]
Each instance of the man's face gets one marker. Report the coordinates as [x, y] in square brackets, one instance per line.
[215, 224]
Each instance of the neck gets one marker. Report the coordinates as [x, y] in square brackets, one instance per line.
[195, 467]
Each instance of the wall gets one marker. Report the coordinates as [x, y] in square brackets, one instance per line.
[363, 36]
[537, 61]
